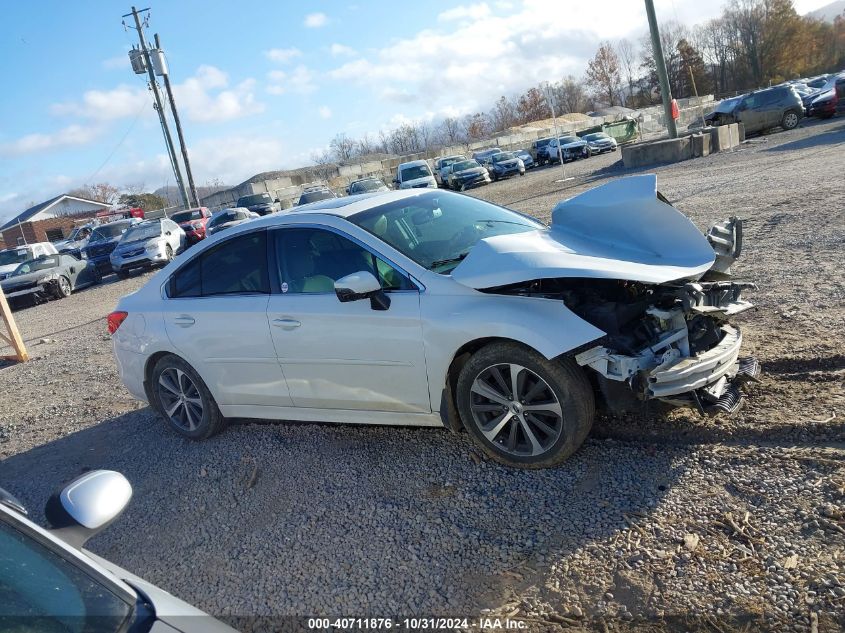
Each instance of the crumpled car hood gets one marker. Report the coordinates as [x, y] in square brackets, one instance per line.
[620, 230]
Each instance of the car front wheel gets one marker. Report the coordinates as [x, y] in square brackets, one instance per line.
[181, 397]
[790, 121]
[522, 409]
[63, 288]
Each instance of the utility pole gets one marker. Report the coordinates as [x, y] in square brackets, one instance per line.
[660, 63]
[158, 104]
[185, 159]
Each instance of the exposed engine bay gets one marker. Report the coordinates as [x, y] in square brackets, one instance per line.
[671, 342]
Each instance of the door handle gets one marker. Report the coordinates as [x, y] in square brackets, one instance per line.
[184, 320]
[286, 324]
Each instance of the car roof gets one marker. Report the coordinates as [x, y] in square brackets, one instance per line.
[413, 163]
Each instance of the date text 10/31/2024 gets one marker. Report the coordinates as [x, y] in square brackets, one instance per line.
[415, 624]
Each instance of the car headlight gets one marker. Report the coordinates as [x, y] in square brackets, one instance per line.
[45, 279]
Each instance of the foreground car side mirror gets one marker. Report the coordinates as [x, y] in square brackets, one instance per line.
[362, 285]
[87, 505]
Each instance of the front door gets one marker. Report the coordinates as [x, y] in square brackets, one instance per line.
[216, 318]
[345, 355]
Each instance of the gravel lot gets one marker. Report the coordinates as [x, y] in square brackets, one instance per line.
[682, 523]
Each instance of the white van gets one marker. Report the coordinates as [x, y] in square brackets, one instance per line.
[415, 174]
[11, 258]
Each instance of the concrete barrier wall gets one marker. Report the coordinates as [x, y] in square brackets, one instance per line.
[701, 143]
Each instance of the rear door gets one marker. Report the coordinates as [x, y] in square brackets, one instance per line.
[216, 317]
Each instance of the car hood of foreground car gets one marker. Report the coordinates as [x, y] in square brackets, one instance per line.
[621, 230]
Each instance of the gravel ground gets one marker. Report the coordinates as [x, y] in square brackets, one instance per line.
[678, 523]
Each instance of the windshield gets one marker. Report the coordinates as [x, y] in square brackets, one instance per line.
[258, 198]
[42, 263]
[464, 164]
[595, 137]
[414, 171]
[13, 257]
[450, 161]
[313, 196]
[142, 232]
[187, 216]
[108, 231]
[566, 140]
[437, 230]
[373, 184]
[498, 158]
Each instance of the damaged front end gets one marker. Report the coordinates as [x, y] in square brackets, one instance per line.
[666, 342]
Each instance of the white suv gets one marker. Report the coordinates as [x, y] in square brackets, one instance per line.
[413, 175]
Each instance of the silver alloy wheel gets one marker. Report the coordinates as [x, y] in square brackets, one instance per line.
[516, 410]
[180, 399]
[790, 120]
[64, 286]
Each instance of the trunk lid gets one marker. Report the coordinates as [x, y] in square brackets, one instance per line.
[620, 230]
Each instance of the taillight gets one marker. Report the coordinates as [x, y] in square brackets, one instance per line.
[115, 319]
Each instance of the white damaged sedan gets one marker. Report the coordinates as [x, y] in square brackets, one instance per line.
[432, 308]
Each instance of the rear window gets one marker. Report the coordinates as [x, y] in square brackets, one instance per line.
[314, 196]
[237, 266]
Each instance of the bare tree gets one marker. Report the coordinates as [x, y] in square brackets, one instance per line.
[628, 63]
[343, 147]
[570, 96]
[477, 126]
[450, 131]
[503, 115]
[532, 106]
[603, 74]
[101, 192]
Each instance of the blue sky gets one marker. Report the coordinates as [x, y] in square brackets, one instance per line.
[263, 85]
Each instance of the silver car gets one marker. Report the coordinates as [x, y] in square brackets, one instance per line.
[148, 244]
[227, 218]
[48, 582]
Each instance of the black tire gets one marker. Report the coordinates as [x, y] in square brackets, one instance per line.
[184, 419]
[563, 380]
[121, 274]
[63, 287]
[98, 276]
[495, 177]
[790, 120]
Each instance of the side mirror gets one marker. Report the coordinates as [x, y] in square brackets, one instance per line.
[87, 505]
[167, 233]
[361, 285]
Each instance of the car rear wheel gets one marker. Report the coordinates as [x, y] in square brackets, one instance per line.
[182, 398]
[790, 120]
[63, 288]
[523, 409]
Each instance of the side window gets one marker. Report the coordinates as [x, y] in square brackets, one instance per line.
[311, 260]
[43, 591]
[237, 266]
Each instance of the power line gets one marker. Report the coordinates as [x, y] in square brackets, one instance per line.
[116, 147]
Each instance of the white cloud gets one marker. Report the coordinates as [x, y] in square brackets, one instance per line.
[196, 97]
[471, 11]
[5, 197]
[72, 135]
[300, 81]
[340, 50]
[282, 55]
[105, 105]
[477, 53]
[325, 112]
[315, 20]
[204, 97]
